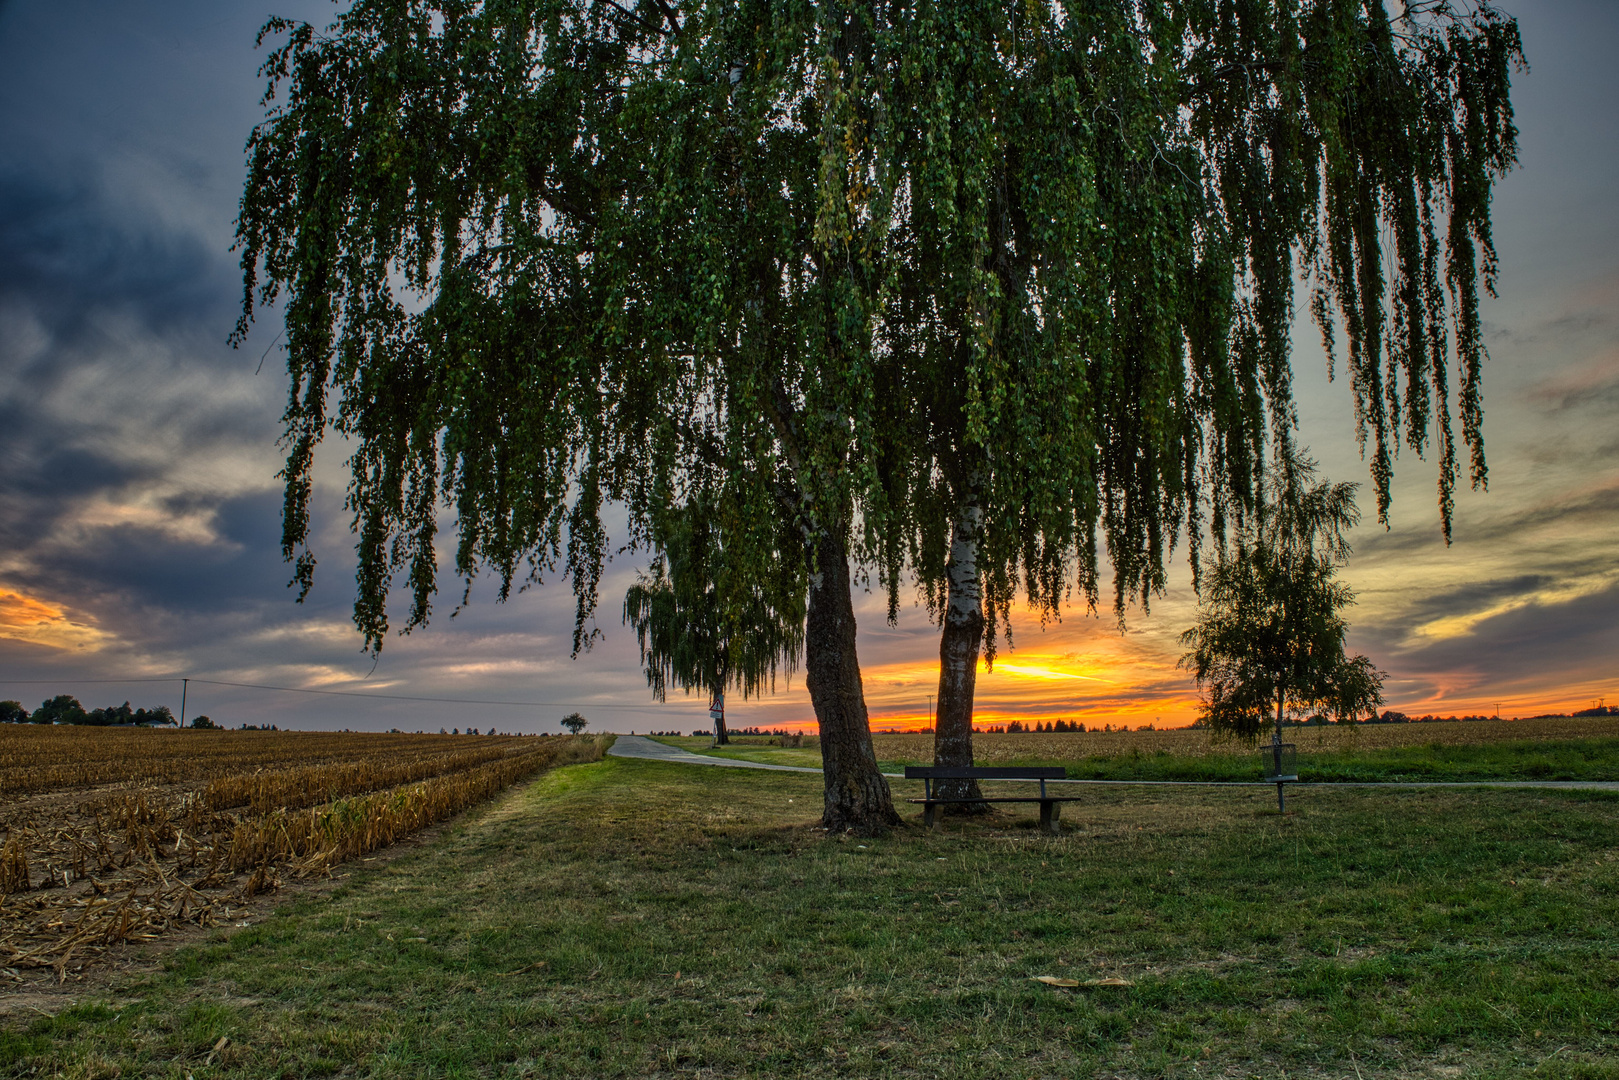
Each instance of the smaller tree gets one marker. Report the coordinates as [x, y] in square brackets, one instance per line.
[203, 723]
[575, 723]
[704, 622]
[1269, 639]
[12, 712]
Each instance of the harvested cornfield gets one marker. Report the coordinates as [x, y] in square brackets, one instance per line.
[143, 831]
[990, 749]
[40, 759]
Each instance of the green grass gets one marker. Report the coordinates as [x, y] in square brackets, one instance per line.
[1573, 759]
[634, 918]
[1525, 759]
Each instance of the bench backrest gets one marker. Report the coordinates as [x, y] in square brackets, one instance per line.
[980, 772]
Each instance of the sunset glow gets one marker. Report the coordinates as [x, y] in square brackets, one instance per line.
[1047, 673]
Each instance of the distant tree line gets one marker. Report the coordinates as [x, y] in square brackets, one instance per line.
[1036, 727]
[1391, 716]
[1050, 725]
[65, 709]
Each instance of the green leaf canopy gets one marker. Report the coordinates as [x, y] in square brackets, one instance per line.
[544, 250]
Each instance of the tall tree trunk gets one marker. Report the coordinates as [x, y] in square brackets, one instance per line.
[716, 710]
[958, 660]
[857, 795]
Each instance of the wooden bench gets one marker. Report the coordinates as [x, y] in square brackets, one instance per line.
[1050, 805]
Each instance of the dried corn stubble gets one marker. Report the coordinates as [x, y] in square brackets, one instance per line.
[311, 784]
[129, 865]
[40, 759]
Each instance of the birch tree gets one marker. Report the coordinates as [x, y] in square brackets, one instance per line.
[1012, 281]
[1103, 234]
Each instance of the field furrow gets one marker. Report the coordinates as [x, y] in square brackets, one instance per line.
[174, 828]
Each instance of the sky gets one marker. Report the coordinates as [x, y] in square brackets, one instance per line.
[139, 506]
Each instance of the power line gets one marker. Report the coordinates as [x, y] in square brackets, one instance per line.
[49, 682]
[351, 693]
[438, 700]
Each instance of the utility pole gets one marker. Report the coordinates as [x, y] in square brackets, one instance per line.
[185, 684]
[930, 712]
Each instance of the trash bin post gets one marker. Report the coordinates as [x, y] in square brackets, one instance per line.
[1281, 765]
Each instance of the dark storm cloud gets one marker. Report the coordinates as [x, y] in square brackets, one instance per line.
[1474, 596]
[39, 482]
[36, 464]
[1594, 508]
[137, 460]
[1530, 642]
[149, 569]
[64, 252]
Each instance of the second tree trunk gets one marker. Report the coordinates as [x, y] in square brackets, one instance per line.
[959, 644]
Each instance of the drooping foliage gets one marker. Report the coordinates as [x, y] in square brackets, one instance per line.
[536, 246]
[703, 625]
[1269, 639]
[1104, 212]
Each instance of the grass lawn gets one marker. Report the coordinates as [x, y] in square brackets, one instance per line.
[635, 918]
[1595, 758]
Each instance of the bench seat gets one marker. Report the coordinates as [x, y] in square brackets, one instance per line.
[1050, 805]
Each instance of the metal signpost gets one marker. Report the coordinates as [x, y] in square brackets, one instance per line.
[1281, 764]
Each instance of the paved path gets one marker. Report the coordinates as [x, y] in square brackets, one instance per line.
[1594, 785]
[639, 746]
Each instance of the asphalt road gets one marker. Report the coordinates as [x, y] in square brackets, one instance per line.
[639, 746]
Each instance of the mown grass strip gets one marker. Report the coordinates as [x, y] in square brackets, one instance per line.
[1587, 759]
[633, 918]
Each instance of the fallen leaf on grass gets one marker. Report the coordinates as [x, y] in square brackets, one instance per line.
[519, 971]
[1052, 980]
[1107, 982]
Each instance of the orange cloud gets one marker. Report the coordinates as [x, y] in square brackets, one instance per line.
[26, 619]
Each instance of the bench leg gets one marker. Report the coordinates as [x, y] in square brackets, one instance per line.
[930, 815]
[1049, 812]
